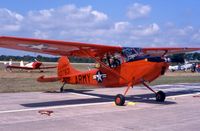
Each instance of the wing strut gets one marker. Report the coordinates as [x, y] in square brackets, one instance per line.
[103, 64]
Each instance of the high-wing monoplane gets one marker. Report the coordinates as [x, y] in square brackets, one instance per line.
[119, 66]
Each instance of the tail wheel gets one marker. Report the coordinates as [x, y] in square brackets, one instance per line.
[61, 89]
[160, 96]
[119, 100]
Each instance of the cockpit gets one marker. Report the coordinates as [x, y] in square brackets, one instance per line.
[131, 54]
[127, 55]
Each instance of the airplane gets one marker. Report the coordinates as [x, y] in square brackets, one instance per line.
[174, 68]
[188, 66]
[36, 65]
[185, 67]
[119, 66]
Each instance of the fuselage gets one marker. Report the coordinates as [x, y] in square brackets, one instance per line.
[29, 66]
[129, 72]
[36, 65]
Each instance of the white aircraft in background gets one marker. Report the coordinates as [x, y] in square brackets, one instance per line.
[36, 65]
[187, 66]
[174, 68]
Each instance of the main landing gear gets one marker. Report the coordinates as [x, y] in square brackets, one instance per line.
[160, 95]
[120, 99]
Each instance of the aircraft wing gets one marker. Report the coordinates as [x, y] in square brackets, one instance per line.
[18, 67]
[167, 51]
[53, 47]
[63, 48]
[29, 68]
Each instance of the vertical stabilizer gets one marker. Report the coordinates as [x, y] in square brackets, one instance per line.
[10, 62]
[65, 68]
[22, 63]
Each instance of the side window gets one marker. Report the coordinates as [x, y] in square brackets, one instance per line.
[112, 60]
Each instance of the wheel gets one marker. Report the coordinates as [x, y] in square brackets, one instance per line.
[160, 96]
[119, 100]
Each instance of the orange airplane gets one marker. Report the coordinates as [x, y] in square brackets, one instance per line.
[36, 65]
[119, 66]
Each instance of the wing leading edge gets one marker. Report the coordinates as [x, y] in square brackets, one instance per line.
[53, 47]
[63, 48]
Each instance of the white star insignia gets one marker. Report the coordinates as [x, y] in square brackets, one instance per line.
[99, 76]
[38, 46]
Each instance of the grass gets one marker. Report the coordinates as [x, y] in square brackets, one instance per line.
[26, 82]
[176, 79]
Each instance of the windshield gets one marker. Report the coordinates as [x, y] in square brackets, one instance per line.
[130, 54]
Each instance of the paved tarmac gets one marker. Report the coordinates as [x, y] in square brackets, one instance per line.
[94, 110]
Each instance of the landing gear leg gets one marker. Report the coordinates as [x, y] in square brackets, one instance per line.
[120, 99]
[62, 87]
[160, 95]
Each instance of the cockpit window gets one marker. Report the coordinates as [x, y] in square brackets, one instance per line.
[127, 55]
[130, 54]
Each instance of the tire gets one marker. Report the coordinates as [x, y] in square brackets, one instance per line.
[160, 96]
[119, 100]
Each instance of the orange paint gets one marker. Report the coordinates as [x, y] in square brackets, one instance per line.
[119, 66]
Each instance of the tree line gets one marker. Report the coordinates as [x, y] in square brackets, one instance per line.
[43, 59]
[176, 58]
[180, 58]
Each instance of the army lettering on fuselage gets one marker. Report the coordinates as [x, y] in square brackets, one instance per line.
[83, 79]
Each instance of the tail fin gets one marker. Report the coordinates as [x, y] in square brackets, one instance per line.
[65, 68]
[22, 63]
[10, 62]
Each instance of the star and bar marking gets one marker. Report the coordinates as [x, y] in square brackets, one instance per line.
[38, 46]
[99, 76]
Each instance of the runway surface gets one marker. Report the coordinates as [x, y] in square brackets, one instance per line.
[94, 110]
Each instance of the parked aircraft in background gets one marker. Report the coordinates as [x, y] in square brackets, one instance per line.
[174, 68]
[119, 66]
[184, 67]
[36, 65]
[188, 66]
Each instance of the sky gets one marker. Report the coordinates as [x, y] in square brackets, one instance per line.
[132, 23]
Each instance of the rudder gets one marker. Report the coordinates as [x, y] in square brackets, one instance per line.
[64, 67]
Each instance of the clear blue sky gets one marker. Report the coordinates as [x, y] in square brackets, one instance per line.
[116, 22]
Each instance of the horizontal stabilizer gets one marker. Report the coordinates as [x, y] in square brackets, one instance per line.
[48, 79]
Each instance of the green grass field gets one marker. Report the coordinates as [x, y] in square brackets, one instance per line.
[26, 81]
[176, 79]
